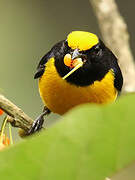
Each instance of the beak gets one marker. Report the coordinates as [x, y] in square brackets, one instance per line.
[76, 54]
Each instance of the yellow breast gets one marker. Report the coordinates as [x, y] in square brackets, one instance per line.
[60, 96]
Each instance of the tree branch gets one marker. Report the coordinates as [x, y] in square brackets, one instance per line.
[116, 37]
[16, 116]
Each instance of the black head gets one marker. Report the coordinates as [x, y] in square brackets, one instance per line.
[97, 61]
[96, 57]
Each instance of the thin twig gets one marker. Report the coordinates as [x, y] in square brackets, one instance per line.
[116, 37]
[16, 117]
[2, 130]
[10, 133]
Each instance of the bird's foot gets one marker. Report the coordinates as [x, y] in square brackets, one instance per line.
[38, 123]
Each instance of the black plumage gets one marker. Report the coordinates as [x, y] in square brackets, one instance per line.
[99, 60]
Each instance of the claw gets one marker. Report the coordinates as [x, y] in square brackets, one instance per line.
[38, 123]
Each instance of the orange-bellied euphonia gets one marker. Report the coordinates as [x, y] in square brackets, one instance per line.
[77, 70]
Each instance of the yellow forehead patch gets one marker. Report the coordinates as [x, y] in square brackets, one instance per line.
[82, 40]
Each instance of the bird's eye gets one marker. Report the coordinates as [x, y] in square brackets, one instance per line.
[66, 43]
[98, 50]
[67, 48]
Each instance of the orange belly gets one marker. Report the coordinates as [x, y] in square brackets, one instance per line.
[60, 96]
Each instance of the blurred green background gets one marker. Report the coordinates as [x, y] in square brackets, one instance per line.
[28, 29]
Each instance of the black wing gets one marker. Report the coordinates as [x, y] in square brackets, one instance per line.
[41, 65]
[56, 50]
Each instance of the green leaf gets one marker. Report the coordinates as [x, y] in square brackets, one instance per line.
[90, 142]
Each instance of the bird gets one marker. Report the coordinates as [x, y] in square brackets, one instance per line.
[79, 69]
